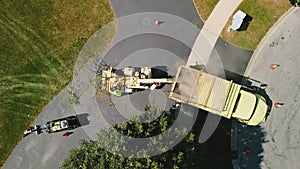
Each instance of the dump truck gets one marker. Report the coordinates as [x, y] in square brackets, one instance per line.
[218, 96]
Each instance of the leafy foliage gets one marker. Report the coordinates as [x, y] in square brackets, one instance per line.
[92, 155]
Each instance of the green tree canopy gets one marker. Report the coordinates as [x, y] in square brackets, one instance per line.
[91, 154]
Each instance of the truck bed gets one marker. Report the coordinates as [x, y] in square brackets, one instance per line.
[205, 91]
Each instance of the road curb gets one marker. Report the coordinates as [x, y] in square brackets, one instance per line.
[266, 38]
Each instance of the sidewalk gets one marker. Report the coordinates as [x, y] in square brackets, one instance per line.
[211, 31]
[205, 43]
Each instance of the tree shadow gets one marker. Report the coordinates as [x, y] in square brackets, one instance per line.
[294, 2]
[216, 148]
[249, 150]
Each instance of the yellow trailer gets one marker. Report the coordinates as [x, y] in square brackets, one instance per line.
[130, 79]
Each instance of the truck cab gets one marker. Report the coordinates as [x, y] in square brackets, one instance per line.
[250, 108]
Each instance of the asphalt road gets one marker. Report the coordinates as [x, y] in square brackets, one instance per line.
[134, 38]
[276, 143]
[47, 150]
[233, 59]
[184, 9]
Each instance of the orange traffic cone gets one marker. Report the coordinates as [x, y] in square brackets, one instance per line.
[157, 23]
[273, 66]
[277, 105]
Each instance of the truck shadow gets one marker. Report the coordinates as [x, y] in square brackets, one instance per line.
[246, 140]
[232, 145]
[83, 119]
[216, 148]
[248, 152]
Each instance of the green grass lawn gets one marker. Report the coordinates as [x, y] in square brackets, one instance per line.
[264, 13]
[205, 7]
[39, 44]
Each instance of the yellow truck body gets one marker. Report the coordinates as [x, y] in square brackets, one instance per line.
[218, 96]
